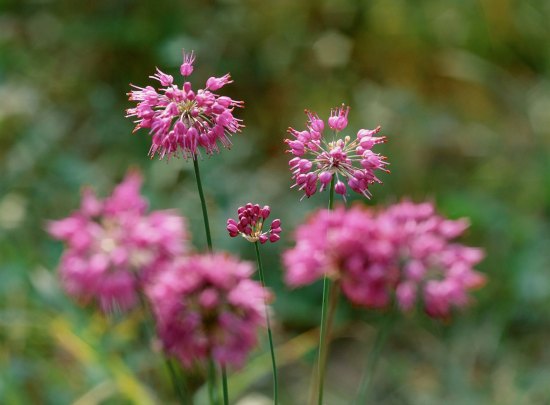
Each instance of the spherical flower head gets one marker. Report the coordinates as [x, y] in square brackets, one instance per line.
[433, 267]
[319, 157]
[250, 224]
[181, 121]
[345, 246]
[208, 306]
[114, 245]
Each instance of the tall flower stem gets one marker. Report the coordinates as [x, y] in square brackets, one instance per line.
[211, 381]
[269, 334]
[203, 204]
[209, 243]
[325, 325]
[372, 360]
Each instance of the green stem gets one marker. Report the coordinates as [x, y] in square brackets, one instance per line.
[372, 360]
[224, 387]
[211, 381]
[203, 204]
[269, 334]
[323, 339]
[211, 369]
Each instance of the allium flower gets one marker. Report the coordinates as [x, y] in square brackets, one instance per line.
[405, 250]
[433, 267]
[114, 245]
[181, 120]
[251, 220]
[317, 159]
[345, 246]
[207, 305]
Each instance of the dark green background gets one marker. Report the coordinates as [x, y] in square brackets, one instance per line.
[460, 88]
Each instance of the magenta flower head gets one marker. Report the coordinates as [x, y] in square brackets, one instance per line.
[433, 268]
[317, 158]
[250, 224]
[183, 121]
[207, 306]
[114, 245]
[344, 245]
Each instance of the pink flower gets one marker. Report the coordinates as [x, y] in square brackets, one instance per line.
[114, 245]
[251, 220]
[406, 250]
[182, 121]
[433, 267]
[207, 305]
[344, 245]
[317, 159]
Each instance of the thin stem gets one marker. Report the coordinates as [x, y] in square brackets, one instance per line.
[323, 339]
[211, 381]
[203, 204]
[224, 386]
[211, 368]
[372, 360]
[269, 334]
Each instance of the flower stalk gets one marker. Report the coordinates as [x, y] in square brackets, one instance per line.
[269, 333]
[326, 313]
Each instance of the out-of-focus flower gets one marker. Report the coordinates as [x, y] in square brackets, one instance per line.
[318, 157]
[405, 250]
[207, 306]
[434, 268]
[345, 246]
[251, 221]
[114, 245]
[181, 120]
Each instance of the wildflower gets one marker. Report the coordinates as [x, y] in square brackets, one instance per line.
[181, 121]
[317, 159]
[251, 220]
[114, 245]
[406, 251]
[207, 306]
[433, 267]
[345, 246]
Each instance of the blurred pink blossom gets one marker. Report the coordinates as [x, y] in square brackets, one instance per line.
[114, 245]
[406, 251]
[207, 305]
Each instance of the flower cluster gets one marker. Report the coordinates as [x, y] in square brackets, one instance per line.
[180, 120]
[344, 245]
[207, 306]
[434, 267]
[251, 220]
[404, 250]
[317, 159]
[114, 245]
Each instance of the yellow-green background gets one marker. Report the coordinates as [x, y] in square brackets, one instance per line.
[461, 90]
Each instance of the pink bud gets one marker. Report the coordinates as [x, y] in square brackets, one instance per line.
[340, 188]
[276, 223]
[274, 237]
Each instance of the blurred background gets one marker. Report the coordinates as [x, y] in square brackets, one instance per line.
[461, 90]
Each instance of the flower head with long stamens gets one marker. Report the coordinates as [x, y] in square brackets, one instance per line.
[250, 224]
[317, 159]
[182, 121]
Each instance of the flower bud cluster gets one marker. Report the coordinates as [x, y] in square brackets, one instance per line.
[250, 224]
